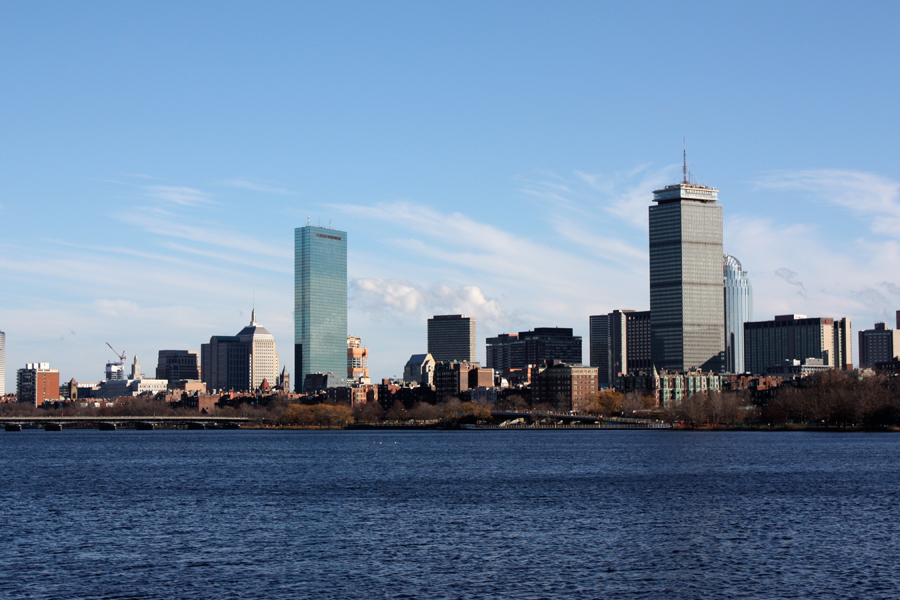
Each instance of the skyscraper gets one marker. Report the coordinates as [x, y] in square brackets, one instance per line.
[451, 337]
[320, 303]
[686, 308]
[738, 310]
[2, 363]
[620, 343]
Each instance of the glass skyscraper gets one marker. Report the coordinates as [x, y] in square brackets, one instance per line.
[687, 321]
[738, 310]
[320, 303]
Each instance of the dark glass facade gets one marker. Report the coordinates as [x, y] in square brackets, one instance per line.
[686, 294]
[320, 302]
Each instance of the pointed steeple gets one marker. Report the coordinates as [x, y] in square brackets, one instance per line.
[253, 318]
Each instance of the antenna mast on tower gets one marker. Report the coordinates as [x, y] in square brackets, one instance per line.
[684, 152]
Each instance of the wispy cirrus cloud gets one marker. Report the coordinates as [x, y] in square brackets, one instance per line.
[623, 196]
[868, 195]
[185, 196]
[266, 187]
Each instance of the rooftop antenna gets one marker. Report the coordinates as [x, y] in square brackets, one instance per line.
[329, 223]
[684, 168]
[307, 220]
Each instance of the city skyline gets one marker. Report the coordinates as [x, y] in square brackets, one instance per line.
[153, 188]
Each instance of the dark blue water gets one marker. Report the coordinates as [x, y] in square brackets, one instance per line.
[520, 514]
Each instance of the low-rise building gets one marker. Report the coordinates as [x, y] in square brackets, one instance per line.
[669, 388]
[567, 387]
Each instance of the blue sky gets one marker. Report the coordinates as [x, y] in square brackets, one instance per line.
[491, 158]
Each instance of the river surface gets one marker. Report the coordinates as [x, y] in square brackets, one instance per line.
[467, 514]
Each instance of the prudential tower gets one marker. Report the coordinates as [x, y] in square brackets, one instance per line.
[686, 297]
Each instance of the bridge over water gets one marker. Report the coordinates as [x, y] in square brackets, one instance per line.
[111, 423]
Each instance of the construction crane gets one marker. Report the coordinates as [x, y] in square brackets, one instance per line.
[116, 352]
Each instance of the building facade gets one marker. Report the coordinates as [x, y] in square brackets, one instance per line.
[789, 337]
[687, 312]
[240, 362]
[667, 388]
[419, 369]
[178, 365]
[517, 351]
[357, 360]
[622, 344]
[451, 337]
[2, 363]
[503, 351]
[320, 302]
[566, 387]
[878, 345]
[453, 377]
[738, 310]
[37, 383]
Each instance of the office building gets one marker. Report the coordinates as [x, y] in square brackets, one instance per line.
[178, 365]
[2, 364]
[451, 337]
[543, 344]
[504, 352]
[686, 307]
[320, 302]
[796, 337]
[240, 362]
[878, 345]
[738, 310]
[37, 383]
[620, 343]
[357, 360]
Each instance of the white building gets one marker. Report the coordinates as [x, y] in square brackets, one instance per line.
[263, 359]
[738, 310]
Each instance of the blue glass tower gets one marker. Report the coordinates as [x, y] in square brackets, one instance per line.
[320, 303]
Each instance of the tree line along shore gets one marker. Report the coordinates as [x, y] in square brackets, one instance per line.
[830, 400]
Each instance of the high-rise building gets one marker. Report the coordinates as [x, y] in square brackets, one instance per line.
[2, 363]
[263, 359]
[878, 345]
[796, 337]
[320, 302]
[240, 362]
[517, 351]
[686, 307]
[620, 342]
[738, 310]
[178, 365]
[451, 337]
[503, 351]
[37, 383]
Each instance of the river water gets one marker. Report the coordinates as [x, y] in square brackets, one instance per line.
[464, 514]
